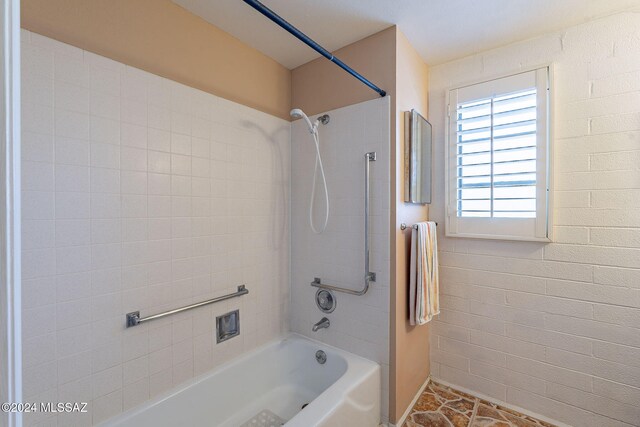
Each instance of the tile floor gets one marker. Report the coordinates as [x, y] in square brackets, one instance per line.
[442, 406]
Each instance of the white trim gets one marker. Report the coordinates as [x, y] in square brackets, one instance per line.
[550, 150]
[404, 416]
[497, 237]
[501, 403]
[10, 274]
[498, 76]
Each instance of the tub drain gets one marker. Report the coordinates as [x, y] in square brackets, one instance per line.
[321, 357]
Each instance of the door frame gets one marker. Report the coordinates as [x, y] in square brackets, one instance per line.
[10, 228]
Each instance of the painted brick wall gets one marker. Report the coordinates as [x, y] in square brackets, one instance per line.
[555, 328]
[140, 193]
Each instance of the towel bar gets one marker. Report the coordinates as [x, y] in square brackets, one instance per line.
[404, 226]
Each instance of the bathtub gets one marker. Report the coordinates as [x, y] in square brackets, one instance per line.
[280, 378]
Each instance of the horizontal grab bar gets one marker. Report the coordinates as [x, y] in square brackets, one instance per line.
[371, 277]
[134, 319]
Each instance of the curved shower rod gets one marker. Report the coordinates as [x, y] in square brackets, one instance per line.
[311, 43]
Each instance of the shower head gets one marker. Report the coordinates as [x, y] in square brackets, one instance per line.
[297, 113]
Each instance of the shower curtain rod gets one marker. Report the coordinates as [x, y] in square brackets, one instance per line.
[310, 42]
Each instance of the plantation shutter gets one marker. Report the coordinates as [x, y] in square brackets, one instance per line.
[498, 160]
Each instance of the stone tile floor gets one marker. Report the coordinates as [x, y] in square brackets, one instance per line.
[442, 406]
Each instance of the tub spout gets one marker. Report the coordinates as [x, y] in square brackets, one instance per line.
[323, 323]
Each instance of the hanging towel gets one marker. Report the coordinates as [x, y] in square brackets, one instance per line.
[424, 296]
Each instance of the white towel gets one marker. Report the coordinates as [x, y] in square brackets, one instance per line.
[424, 295]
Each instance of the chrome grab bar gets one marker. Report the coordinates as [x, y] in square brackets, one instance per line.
[369, 276]
[134, 319]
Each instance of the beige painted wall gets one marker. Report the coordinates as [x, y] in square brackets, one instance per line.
[409, 344]
[389, 61]
[320, 85]
[160, 37]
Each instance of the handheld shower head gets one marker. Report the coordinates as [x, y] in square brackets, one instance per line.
[297, 113]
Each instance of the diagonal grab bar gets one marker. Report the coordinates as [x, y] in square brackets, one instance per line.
[368, 275]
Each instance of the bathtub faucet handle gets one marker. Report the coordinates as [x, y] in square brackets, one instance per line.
[323, 323]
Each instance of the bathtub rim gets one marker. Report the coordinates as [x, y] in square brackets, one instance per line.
[357, 366]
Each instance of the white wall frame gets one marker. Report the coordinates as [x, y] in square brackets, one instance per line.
[10, 301]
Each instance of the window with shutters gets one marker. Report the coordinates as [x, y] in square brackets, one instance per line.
[498, 158]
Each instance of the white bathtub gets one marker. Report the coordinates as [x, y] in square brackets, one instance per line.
[280, 377]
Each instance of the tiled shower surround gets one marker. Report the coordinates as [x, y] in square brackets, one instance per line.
[359, 324]
[141, 194]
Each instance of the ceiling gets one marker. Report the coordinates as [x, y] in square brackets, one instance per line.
[440, 30]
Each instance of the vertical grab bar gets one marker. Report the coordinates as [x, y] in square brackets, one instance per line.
[369, 276]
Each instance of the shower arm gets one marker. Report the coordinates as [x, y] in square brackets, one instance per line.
[369, 276]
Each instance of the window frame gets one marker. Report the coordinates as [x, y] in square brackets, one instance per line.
[539, 229]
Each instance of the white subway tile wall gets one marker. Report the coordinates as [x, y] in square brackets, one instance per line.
[555, 328]
[141, 194]
[359, 324]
